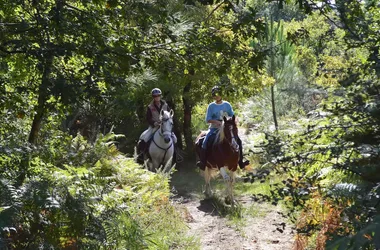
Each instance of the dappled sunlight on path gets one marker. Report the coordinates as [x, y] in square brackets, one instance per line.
[254, 226]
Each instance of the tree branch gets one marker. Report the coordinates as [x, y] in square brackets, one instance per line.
[4, 50]
[333, 22]
[212, 12]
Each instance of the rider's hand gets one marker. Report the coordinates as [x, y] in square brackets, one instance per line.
[218, 123]
[156, 124]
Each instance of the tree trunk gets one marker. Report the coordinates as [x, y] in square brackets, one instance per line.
[176, 126]
[274, 108]
[36, 125]
[42, 98]
[187, 110]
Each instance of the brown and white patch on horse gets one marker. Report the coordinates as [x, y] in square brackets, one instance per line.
[223, 156]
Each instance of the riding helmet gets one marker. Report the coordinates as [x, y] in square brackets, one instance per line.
[215, 90]
[156, 91]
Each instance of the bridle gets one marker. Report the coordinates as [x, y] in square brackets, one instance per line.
[232, 141]
[162, 134]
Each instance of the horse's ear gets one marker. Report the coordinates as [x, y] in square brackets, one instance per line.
[233, 118]
[171, 113]
[162, 112]
[224, 119]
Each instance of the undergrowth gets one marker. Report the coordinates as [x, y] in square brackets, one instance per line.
[88, 196]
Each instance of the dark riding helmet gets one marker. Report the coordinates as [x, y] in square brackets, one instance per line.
[156, 91]
[216, 90]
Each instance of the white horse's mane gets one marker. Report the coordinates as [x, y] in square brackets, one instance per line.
[220, 135]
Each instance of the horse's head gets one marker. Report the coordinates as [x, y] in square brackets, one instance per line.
[231, 132]
[166, 127]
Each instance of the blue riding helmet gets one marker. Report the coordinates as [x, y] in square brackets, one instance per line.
[156, 91]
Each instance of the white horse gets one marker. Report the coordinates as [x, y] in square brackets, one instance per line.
[161, 149]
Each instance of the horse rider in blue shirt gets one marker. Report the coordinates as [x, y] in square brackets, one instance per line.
[214, 116]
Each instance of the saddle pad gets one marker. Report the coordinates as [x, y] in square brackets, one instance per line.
[200, 140]
[210, 141]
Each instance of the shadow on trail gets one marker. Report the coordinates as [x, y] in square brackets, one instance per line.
[187, 182]
[207, 206]
[187, 186]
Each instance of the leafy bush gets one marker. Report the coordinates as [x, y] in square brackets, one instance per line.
[88, 196]
[332, 185]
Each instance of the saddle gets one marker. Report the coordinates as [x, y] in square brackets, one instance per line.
[210, 141]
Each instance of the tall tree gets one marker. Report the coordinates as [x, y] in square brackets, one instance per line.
[280, 56]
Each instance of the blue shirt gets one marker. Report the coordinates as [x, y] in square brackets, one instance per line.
[217, 111]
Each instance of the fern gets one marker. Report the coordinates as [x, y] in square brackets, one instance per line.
[124, 231]
[348, 190]
[10, 203]
[367, 238]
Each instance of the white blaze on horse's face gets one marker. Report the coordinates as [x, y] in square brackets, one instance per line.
[234, 144]
[166, 125]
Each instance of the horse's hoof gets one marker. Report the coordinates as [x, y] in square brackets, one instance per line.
[208, 194]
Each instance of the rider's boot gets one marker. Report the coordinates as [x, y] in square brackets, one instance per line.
[242, 164]
[141, 147]
[202, 159]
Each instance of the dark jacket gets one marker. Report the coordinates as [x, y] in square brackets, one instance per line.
[153, 112]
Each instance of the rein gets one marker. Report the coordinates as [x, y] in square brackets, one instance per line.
[164, 149]
[230, 142]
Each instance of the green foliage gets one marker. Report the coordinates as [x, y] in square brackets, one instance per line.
[330, 162]
[287, 86]
[366, 238]
[88, 196]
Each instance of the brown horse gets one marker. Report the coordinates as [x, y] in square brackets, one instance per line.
[223, 153]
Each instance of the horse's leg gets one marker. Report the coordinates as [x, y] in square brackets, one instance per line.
[152, 166]
[167, 164]
[155, 164]
[228, 180]
[224, 174]
[230, 194]
[207, 174]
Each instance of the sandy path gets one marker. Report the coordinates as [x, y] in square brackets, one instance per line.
[258, 232]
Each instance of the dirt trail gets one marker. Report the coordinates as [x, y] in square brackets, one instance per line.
[253, 232]
[256, 230]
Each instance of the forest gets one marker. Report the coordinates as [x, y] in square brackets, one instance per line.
[75, 80]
